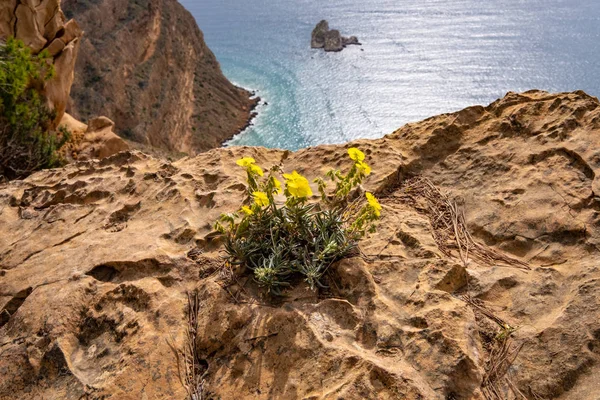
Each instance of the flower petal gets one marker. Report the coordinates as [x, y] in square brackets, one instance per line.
[355, 154]
[245, 162]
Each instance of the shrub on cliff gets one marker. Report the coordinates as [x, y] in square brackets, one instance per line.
[27, 140]
[279, 235]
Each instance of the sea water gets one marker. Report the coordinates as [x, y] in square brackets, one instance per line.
[418, 58]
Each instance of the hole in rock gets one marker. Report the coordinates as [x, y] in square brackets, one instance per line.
[104, 273]
[124, 271]
[13, 305]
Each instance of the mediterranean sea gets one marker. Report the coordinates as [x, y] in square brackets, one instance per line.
[419, 58]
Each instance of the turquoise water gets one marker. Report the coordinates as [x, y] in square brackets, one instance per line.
[419, 58]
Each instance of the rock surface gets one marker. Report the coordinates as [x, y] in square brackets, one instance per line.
[42, 25]
[330, 40]
[317, 40]
[145, 65]
[96, 260]
[93, 141]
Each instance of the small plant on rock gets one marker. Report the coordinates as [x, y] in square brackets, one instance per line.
[280, 235]
[28, 140]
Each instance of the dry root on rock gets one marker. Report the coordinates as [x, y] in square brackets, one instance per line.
[449, 226]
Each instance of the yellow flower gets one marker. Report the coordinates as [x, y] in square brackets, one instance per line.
[297, 185]
[245, 162]
[276, 184]
[261, 199]
[255, 169]
[373, 203]
[249, 164]
[247, 210]
[356, 154]
[363, 167]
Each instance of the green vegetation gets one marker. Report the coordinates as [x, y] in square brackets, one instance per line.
[27, 141]
[281, 237]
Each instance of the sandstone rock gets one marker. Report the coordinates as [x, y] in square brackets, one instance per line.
[96, 259]
[153, 51]
[99, 140]
[100, 144]
[27, 28]
[56, 46]
[99, 123]
[93, 141]
[42, 25]
[70, 31]
[58, 89]
[7, 18]
[74, 126]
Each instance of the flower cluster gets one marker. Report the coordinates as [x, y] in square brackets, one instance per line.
[278, 232]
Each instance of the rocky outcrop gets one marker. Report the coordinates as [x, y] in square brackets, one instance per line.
[145, 65]
[41, 25]
[100, 141]
[330, 40]
[96, 140]
[96, 260]
[317, 40]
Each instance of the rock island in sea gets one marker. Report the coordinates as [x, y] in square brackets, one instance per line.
[330, 40]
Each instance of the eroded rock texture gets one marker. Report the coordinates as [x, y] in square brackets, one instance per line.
[144, 64]
[41, 25]
[96, 260]
[96, 140]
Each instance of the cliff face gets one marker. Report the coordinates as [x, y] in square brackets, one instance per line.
[96, 259]
[145, 65]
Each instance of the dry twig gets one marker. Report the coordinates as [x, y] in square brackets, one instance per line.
[449, 226]
[191, 371]
[497, 381]
[454, 240]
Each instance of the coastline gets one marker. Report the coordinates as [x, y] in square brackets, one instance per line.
[255, 102]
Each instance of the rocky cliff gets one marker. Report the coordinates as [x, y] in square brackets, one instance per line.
[145, 65]
[481, 281]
